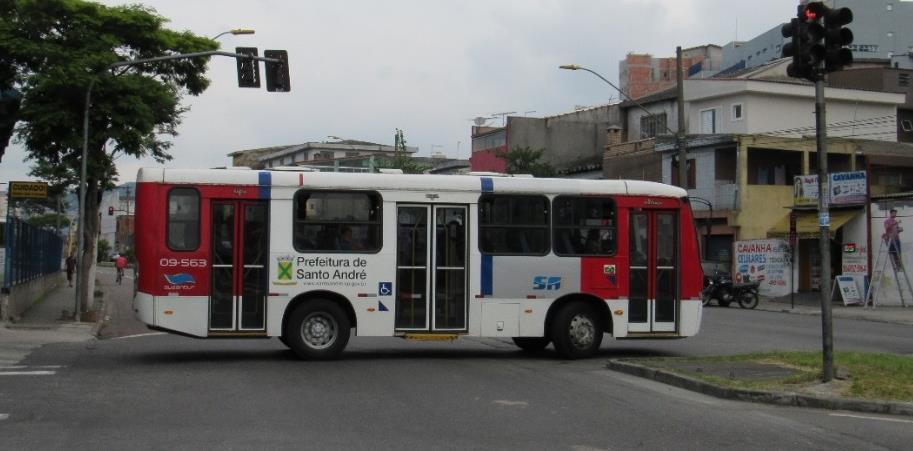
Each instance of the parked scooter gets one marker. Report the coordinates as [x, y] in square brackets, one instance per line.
[720, 287]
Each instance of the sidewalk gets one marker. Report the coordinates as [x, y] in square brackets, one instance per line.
[43, 324]
[810, 304]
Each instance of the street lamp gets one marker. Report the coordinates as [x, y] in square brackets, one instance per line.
[235, 31]
[683, 180]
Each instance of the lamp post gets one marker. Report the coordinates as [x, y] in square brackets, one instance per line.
[682, 156]
[234, 31]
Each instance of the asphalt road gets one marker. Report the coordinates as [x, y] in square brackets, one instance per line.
[165, 391]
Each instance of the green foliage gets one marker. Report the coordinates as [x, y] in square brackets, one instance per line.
[525, 160]
[49, 221]
[54, 50]
[104, 250]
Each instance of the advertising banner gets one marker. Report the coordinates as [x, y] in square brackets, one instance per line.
[848, 188]
[845, 188]
[805, 190]
[764, 261]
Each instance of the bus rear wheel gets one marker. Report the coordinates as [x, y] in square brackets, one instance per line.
[531, 344]
[576, 331]
[318, 329]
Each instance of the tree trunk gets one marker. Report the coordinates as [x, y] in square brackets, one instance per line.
[90, 234]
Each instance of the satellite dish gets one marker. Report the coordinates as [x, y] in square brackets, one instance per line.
[480, 120]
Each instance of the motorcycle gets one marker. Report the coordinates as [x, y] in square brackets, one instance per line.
[720, 287]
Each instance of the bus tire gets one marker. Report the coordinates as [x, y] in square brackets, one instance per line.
[531, 344]
[576, 331]
[318, 329]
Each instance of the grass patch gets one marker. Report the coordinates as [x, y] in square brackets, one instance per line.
[871, 376]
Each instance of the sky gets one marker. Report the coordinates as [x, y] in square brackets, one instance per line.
[361, 69]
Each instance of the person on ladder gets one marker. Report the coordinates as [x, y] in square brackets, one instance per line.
[891, 237]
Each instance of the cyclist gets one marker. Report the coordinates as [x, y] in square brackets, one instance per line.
[120, 262]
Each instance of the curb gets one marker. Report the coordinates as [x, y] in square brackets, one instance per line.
[765, 397]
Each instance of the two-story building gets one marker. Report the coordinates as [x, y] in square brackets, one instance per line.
[747, 140]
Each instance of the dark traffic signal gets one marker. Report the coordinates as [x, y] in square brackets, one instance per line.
[836, 36]
[818, 38]
[277, 79]
[248, 68]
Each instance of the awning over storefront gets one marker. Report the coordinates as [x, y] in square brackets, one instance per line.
[807, 223]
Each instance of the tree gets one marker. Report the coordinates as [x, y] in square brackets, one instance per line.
[525, 160]
[402, 160]
[54, 49]
[104, 250]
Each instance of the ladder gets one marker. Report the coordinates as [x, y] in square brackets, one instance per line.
[887, 254]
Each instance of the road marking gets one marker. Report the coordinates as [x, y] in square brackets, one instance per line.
[27, 373]
[4, 416]
[21, 367]
[893, 420]
[150, 334]
[505, 402]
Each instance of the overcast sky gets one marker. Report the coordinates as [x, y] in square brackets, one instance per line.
[361, 69]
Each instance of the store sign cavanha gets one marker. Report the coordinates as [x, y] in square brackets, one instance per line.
[28, 190]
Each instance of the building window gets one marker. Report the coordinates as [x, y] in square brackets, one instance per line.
[513, 225]
[584, 226]
[903, 80]
[337, 221]
[692, 173]
[183, 219]
[708, 122]
[737, 111]
[652, 126]
[906, 125]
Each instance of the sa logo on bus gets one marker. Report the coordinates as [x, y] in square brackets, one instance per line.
[547, 283]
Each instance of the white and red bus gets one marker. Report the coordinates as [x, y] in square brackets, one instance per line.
[310, 257]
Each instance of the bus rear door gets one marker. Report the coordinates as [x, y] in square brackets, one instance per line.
[654, 293]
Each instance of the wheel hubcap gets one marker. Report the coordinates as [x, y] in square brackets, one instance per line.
[582, 331]
[318, 330]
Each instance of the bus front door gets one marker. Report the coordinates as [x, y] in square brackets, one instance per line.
[653, 283]
[240, 247]
[431, 257]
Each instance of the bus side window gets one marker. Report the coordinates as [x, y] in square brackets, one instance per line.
[183, 219]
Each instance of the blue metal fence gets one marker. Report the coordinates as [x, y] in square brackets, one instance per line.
[30, 252]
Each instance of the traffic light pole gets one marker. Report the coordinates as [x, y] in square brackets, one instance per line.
[824, 245]
[81, 279]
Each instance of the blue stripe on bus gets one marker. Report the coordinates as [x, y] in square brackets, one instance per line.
[266, 181]
[488, 185]
[487, 274]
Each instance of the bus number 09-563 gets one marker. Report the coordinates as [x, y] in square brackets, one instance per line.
[182, 262]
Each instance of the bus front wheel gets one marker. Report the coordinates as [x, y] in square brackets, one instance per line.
[576, 331]
[318, 329]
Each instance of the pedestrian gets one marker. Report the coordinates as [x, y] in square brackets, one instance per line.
[71, 269]
[120, 262]
[891, 237]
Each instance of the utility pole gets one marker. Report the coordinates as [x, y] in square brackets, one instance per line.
[824, 222]
[680, 136]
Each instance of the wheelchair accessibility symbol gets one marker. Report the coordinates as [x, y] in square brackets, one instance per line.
[385, 288]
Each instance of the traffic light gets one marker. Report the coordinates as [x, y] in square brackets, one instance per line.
[836, 37]
[248, 69]
[277, 79]
[807, 45]
[818, 38]
[10, 100]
